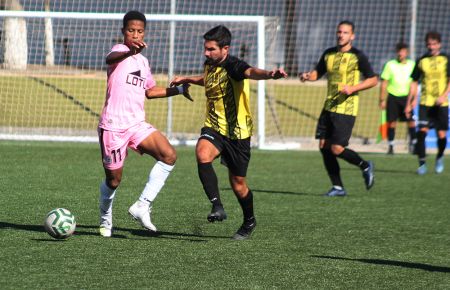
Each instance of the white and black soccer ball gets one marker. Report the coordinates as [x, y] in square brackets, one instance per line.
[60, 223]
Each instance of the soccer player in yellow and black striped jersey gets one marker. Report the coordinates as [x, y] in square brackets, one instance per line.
[433, 71]
[344, 66]
[228, 125]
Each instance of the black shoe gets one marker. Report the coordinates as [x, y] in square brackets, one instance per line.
[391, 150]
[217, 214]
[245, 230]
[368, 174]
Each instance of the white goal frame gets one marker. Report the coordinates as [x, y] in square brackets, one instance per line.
[258, 20]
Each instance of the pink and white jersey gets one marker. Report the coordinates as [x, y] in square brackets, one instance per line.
[125, 96]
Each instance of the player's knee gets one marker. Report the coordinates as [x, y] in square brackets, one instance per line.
[203, 156]
[113, 182]
[324, 145]
[239, 186]
[240, 190]
[337, 149]
[442, 134]
[170, 157]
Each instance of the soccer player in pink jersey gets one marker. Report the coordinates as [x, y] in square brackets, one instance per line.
[122, 123]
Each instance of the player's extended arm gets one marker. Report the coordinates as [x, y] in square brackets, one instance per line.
[383, 94]
[118, 56]
[308, 76]
[196, 80]
[255, 73]
[412, 98]
[364, 85]
[161, 92]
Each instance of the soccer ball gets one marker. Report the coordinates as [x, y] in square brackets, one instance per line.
[60, 223]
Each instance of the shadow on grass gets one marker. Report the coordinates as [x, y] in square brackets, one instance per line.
[31, 228]
[49, 240]
[410, 265]
[275, 191]
[88, 230]
[158, 234]
[411, 170]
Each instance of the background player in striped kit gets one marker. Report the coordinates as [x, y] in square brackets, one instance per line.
[343, 65]
[433, 71]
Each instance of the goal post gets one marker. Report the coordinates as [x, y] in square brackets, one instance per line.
[173, 19]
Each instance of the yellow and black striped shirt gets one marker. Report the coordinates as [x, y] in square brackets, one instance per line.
[228, 99]
[343, 68]
[434, 73]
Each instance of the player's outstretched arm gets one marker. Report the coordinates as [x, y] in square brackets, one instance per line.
[180, 80]
[118, 56]
[254, 73]
[364, 85]
[308, 76]
[161, 92]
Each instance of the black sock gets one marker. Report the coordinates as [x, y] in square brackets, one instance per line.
[332, 167]
[209, 181]
[353, 158]
[391, 134]
[412, 135]
[442, 143]
[420, 146]
[247, 205]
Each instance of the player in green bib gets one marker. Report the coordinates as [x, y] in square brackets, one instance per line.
[396, 81]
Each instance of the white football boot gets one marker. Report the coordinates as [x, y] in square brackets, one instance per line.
[140, 211]
[439, 168]
[105, 217]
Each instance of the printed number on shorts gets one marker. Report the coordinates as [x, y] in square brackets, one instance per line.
[116, 156]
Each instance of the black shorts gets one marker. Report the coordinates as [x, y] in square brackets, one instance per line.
[234, 154]
[395, 109]
[433, 117]
[337, 128]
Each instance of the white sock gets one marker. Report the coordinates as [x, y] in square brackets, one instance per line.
[106, 197]
[156, 180]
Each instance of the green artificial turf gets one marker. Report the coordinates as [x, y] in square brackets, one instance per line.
[395, 236]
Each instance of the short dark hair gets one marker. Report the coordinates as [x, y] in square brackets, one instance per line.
[219, 34]
[134, 15]
[401, 45]
[433, 35]
[347, 22]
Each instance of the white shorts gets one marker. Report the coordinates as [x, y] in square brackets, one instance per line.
[114, 144]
